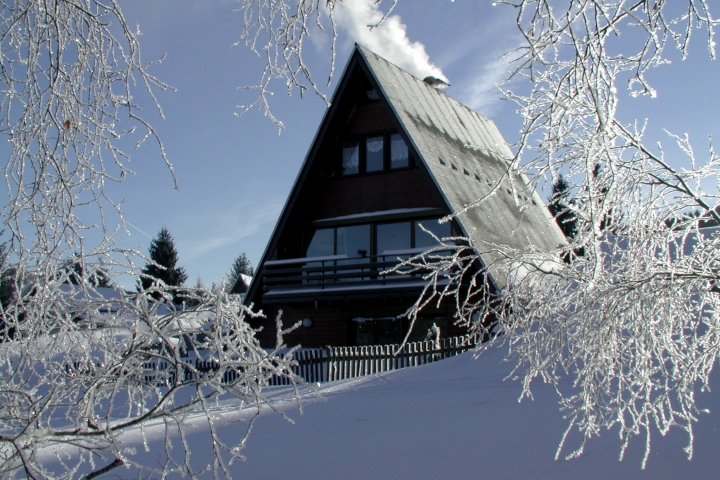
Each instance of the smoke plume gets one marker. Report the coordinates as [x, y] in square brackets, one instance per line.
[389, 39]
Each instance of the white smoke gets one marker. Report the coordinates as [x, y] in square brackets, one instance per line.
[389, 39]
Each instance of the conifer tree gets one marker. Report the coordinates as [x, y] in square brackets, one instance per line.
[163, 253]
[558, 206]
[241, 265]
[77, 274]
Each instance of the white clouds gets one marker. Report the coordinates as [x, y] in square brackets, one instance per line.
[484, 65]
[479, 91]
[225, 227]
[389, 39]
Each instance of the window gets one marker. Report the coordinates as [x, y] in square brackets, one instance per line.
[393, 237]
[424, 239]
[375, 153]
[322, 243]
[353, 241]
[368, 240]
[399, 154]
[351, 159]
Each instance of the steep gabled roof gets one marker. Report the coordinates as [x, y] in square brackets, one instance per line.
[468, 159]
[464, 155]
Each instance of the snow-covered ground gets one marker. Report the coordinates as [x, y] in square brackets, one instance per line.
[452, 419]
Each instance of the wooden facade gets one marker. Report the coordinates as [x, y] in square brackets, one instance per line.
[356, 208]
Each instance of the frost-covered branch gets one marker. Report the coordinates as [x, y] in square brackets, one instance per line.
[276, 30]
[142, 365]
[81, 361]
[628, 309]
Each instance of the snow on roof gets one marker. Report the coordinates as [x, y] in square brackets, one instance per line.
[242, 283]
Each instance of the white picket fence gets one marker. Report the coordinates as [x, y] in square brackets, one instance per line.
[320, 365]
[336, 363]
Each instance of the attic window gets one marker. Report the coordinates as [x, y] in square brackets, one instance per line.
[442, 162]
[374, 158]
[477, 177]
[465, 171]
[373, 95]
[351, 158]
[374, 154]
[453, 166]
[399, 154]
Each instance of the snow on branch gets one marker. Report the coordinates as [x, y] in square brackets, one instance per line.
[627, 310]
[83, 362]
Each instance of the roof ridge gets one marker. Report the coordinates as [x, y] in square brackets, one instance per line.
[364, 49]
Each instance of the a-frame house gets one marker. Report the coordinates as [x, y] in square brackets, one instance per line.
[391, 153]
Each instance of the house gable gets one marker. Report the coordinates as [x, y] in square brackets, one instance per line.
[458, 156]
[322, 196]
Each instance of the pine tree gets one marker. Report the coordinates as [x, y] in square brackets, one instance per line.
[75, 273]
[162, 251]
[241, 265]
[565, 218]
[7, 278]
[7, 285]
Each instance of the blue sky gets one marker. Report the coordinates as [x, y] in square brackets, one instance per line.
[234, 174]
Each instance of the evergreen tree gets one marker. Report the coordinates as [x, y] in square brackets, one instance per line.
[7, 278]
[240, 265]
[162, 251]
[7, 286]
[76, 275]
[564, 216]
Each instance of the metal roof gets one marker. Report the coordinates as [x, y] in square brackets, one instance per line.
[467, 159]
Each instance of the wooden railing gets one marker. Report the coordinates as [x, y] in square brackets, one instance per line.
[339, 272]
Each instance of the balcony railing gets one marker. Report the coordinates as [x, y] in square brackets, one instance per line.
[340, 276]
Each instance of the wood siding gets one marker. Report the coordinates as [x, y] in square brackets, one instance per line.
[372, 193]
[329, 326]
[332, 324]
[368, 118]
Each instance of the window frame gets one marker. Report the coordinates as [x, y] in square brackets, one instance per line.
[347, 144]
[373, 230]
[361, 142]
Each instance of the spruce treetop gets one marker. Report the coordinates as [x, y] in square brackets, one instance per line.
[163, 252]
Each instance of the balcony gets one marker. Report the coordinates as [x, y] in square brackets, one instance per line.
[342, 277]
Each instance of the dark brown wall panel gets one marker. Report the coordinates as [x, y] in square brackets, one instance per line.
[329, 326]
[369, 118]
[331, 321]
[372, 193]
